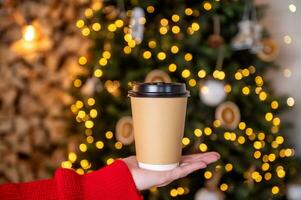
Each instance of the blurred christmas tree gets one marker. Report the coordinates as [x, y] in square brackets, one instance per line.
[221, 52]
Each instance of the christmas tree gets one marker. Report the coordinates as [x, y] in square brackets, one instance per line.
[221, 52]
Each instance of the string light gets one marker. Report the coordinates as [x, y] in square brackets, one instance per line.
[66, 164]
[290, 101]
[80, 23]
[202, 73]
[175, 18]
[238, 76]
[188, 11]
[224, 187]
[85, 31]
[203, 147]
[292, 8]
[147, 54]
[274, 105]
[228, 167]
[77, 83]
[119, 23]
[150, 9]
[88, 13]
[241, 140]
[127, 50]
[287, 73]
[99, 144]
[91, 101]
[172, 67]
[192, 82]
[152, 44]
[242, 125]
[287, 39]
[96, 26]
[195, 26]
[174, 49]
[173, 192]
[29, 33]
[207, 131]
[275, 190]
[197, 132]
[110, 161]
[185, 141]
[161, 55]
[262, 96]
[109, 134]
[208, 174]
[188, 57]
[186, 73]
[246, 90]
[82, 60]
[163, 30]
[83, 147]
[175, 29]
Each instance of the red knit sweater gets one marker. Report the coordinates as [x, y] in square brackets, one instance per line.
[113, 182]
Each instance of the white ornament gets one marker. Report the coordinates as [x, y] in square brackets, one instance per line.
[137, 24]
[228, 114]
[212, 92]
[244, 38]
[206, 194]
[257, 46]
[92, 84]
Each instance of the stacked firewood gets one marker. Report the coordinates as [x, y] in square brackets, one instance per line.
[35, 87]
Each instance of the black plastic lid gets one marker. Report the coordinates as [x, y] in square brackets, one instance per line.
[159, 89]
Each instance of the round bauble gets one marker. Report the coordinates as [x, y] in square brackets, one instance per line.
[208, 194]
[157, 75]
[124, 130]
[228, 114]
[269, 50]
[212, 92]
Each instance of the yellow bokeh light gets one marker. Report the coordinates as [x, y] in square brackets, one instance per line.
[257, 145]
[84, 164]
[241, 140]
[89, 124]
[249, 131]
[180, 190]
[83, 147]
[268, 116]
[164, 22]
[207, 174]
[81, 114]
[79, 104]
[175, 18]
[290, 101]
[80, 23]
[91, 101]
[93, 113]
[106, 54]
[262, 96]
[207, 131]
[224, 187]
[259, 80]
[276, 121]
[227, 88]
[192, 82]
[274, 105]
[228, 167]
[202, 73]
[132, 43]
[265, 166]
[174, 49]
[98, 73]
[127, 50]
[195, 26]
[242, 125]
[163, 30]
[77, 83]
[246, 90]
[112, 27]
[207, 6]
[110, 161]
[288, 152]
[267, 176]
[128, 37]
[216, 123]
[103, 61]
[275, 190]
[197, 132]
[96, 26]
[99, 144]
[203, 147]
[186, 73]
[90, 139]
[150, 9]
[238, 76]
[66, 164]
[118, 145]
[261, 136]
[257, 154]
[152, 44]
[188, 11]
[185, 141]
[82, 60]
[175, 29]
[173, 192]
[272, 157]
[172, 67]
[119, 23]
[188, 57]
[279, 139]
[227, 135]
[72, 157]
[109, 134]
[85, 31]
[161, 55]
[89, 13]
[147, 54]
[245, 72]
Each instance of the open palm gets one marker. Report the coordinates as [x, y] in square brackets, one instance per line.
[145, 179]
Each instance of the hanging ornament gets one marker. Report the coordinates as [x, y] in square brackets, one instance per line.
[215, 40]
[257, 46]
[124, 130]
[92, 84]
[212, 92]
[243, 39]
[228, 114]
[269, 51]
[157, 75]
[208, 194]
[111, 12]
[137, 24]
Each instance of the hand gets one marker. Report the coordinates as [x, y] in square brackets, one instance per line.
[145, 179]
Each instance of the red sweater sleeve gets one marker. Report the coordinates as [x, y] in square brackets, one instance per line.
[113, 182]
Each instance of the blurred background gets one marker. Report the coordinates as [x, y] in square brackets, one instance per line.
[66, 67]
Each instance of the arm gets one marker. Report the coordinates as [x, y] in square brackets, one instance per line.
[109, 183]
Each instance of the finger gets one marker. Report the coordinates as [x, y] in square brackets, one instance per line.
[183, 171]
[198, 156]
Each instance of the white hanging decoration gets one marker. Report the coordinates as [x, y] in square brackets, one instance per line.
[208, 194]
[228, 114]
[92, 84]
[243, 39]
[137, 22]
[212, 92]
